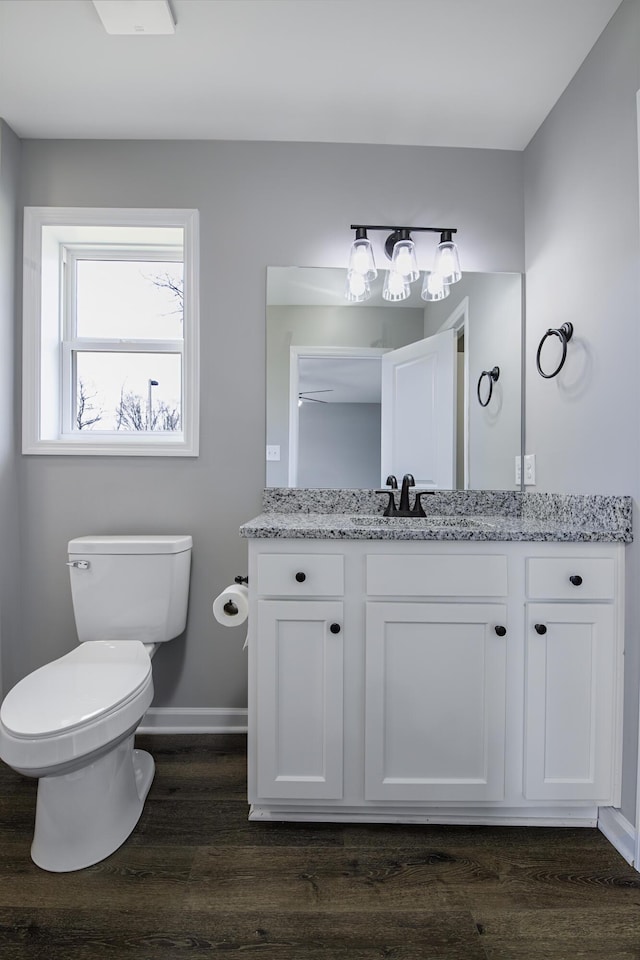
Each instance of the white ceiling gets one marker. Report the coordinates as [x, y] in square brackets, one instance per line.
[464, 73]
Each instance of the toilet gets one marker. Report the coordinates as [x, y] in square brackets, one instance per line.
[71, 723]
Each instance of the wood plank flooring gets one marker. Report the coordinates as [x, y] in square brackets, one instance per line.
[197, 880]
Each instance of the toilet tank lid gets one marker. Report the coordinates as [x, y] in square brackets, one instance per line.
[132, 544]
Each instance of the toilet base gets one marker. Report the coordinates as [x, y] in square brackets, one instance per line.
[84, 816]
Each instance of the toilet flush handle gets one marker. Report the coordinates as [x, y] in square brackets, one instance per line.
[79, 564]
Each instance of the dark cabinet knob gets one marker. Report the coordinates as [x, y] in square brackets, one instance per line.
[301, 577]
[501, 631]
[576, 580]
[335, 628]
[540, 628]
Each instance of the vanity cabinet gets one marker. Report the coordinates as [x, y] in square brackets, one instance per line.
[434, 681]
[435, 694]
[300, 665]
[571, 675]
[299, 709]
[435, 676]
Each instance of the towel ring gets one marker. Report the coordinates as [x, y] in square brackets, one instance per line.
[564, 333]
[493, 375]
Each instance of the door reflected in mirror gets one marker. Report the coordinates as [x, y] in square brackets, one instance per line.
[356, 391]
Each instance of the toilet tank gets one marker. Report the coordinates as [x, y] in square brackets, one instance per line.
[130, 587]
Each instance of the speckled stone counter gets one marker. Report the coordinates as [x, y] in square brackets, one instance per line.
[451, 515]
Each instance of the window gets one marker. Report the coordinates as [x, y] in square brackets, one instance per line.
[110, 332]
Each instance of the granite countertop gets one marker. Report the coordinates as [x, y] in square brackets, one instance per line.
[455, 515]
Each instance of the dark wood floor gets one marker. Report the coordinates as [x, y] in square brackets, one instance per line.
[196, 879]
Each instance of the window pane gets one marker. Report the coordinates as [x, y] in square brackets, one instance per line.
[128, 392]
[129, 299]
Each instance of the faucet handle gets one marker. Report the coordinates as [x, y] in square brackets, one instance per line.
[390, 510]
[392, 482]
[418, 509]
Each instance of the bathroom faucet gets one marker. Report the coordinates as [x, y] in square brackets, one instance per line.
[404, 510]
[407, 481]
[391, 509]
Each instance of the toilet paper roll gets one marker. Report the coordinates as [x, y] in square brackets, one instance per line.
[231, 607]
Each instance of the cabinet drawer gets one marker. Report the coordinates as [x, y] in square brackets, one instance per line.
[461, 575]
[300, 575]
[550, 578]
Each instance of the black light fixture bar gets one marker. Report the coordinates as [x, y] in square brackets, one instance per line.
[368, 226]
[401, 251]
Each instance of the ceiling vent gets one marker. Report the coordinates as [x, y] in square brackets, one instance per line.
[148, 17]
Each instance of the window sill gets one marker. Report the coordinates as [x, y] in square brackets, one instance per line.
[123, 447]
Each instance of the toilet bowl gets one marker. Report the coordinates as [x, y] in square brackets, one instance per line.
[71, 723]
[66, 724]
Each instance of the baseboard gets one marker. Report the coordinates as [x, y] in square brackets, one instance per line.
[619, 832]
[194, 720]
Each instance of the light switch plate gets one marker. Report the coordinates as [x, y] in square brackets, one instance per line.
[273, 451]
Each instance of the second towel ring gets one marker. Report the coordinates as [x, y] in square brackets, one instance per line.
[564, 333]
[493, 375]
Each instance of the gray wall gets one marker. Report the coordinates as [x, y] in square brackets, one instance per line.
[285, 204]
[339, 445]
[583, 259]
[10, 635]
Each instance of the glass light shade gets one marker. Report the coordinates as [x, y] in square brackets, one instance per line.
[404, 262]
[395, 287]
[447, 263]
[357, 288]
[361, 259]
[433, 287]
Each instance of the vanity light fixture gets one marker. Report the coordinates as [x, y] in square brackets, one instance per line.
[395, 287]
[401, 251]
[447, 263]
[361, 257]
[403, 255]
[357, 288]
[434, 287]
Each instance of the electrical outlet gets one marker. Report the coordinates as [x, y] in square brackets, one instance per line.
[518, 477]
[530, 469]
[273, 451]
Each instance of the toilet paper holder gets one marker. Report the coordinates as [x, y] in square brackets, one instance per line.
[230, 607]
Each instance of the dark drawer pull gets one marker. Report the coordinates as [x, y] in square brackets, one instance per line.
[501, 631]
[576, 580]
[540, 628]
[301, 577]
[335, 628]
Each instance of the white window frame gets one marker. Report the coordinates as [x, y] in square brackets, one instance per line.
[49, 337]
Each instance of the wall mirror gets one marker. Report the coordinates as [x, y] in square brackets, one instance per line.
[356, 391]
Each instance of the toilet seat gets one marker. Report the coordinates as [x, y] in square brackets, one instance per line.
[76, 689]
[75, 704]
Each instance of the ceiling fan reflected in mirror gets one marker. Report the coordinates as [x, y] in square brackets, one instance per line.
[304, 396]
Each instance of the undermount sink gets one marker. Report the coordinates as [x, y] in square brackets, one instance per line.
[469, 523]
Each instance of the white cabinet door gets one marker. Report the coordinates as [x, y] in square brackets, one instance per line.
[570, 696]
[435, 701]
[299, 718]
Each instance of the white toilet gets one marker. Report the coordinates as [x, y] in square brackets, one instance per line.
[71, 723]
